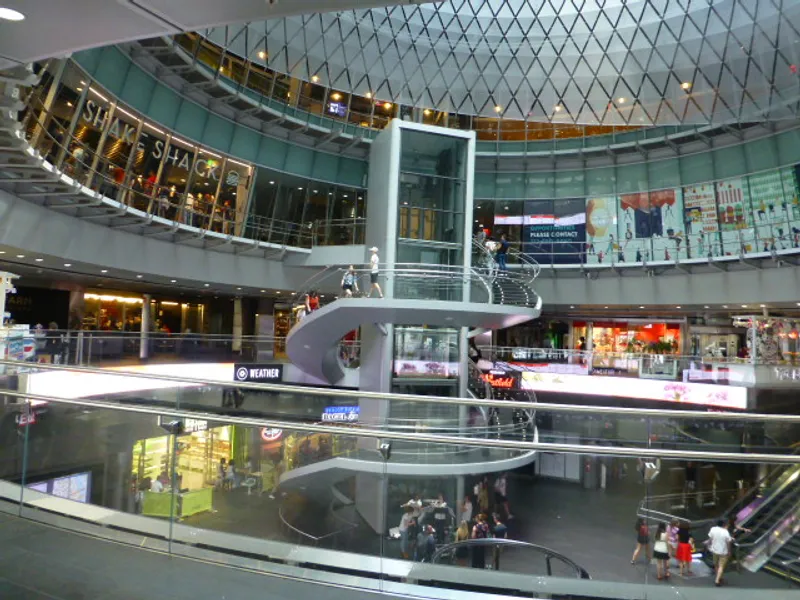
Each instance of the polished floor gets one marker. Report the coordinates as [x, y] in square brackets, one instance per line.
[594, 528]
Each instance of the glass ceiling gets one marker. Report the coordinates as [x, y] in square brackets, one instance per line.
[614, 62]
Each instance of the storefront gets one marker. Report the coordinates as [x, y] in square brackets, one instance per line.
[198, 453]
[122, 311]
[631, 336]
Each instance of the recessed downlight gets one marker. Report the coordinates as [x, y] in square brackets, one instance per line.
[139, 276]
[206, 284]
[38, 259]
[9, 14]
[67, 264]
[173, 280]
[104, 270]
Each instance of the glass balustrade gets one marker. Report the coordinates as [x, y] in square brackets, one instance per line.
[263, 485]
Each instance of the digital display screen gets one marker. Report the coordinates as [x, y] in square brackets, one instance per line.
[337, 108]
[75, 487]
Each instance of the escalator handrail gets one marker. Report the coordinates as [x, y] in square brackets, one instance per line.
[775, 509]
[580, 572]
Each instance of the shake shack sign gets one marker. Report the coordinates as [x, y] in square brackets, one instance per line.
[258, 373]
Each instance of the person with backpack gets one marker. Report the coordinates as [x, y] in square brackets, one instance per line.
[480, 531]
[642, 540]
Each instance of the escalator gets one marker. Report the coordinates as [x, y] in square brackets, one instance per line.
[773, 521]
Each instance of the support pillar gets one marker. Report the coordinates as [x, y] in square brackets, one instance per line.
[145, 330]
[236, 345]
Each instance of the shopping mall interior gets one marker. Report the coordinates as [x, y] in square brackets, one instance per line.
[423, 299]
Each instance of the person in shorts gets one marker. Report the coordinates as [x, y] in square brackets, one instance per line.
[374, 271]
[719, 542]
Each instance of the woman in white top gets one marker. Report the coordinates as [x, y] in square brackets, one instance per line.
[466, 510]
[374, 261]
[405, 522]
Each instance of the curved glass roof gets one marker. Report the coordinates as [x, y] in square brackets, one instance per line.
[623, 62]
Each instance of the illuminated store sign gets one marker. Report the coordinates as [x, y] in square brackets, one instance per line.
[271, 434]
[347, 414]
[177, 157]
[258, 373]
[678, 392]
[501, 379]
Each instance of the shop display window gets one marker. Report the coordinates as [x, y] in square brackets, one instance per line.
[636, 338]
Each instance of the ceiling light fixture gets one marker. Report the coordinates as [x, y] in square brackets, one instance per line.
[498, 109]
[173, 280]
[706, 306]
[139, 276]
[641, 307]
[20, 256]
[572, 307]
[67, 264]
[9, 14]
[726, 306]
[744, 305]
[262, 291]
[38, 259]
[315, 78]
[621, 100]
[272, 183]
[686, 85]
[427, 112]
[557, 108]
[206, 284]
[677, 307]
[368, 95]
[336, 96]
[104, 270]
[763, 305]
[262, 55]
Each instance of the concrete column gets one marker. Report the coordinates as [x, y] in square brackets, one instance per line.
[236, 345]
[460, 493]
[145, 331]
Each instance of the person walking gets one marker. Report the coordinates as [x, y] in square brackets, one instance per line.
[719, 542]
[501, 495]
[405, 525]
[462, 551]
[502, 253]
[480, 531]
[672, 537]
[466, 510]
[349, 283]
[483, 496]
[642, 540]
[684, 552]
[374, 271]
[661, 552]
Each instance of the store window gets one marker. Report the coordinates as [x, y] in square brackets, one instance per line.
[636, 338]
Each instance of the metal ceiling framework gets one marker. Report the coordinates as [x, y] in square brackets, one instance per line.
[613, 62]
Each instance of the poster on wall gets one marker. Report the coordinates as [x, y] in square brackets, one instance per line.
[555, 230]
[776, 219]
[651, 227]
[700, 218]
[735, 216]
[601, 245]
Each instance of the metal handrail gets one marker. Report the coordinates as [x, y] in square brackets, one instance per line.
[520, 446]
[580, 572]
[444, 400]
[450, 276]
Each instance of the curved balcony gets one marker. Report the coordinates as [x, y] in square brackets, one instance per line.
[227, 83]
